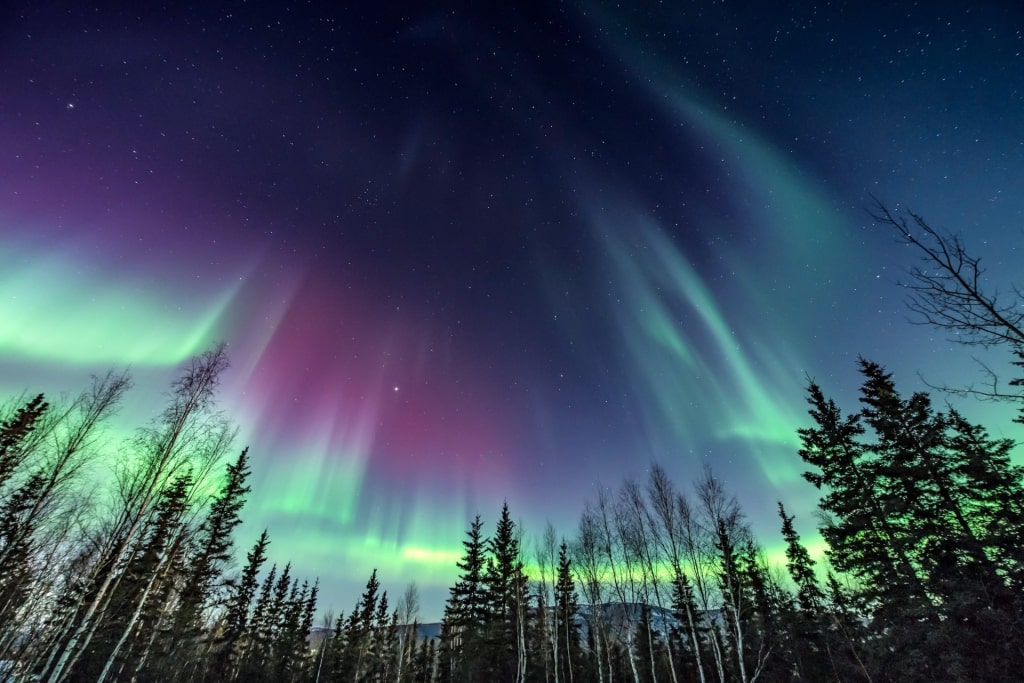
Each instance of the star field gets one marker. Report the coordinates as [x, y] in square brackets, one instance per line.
[474, 254]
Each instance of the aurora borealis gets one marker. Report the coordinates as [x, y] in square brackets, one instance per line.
[463, 254]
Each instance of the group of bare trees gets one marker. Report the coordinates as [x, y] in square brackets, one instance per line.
[117, 567]
[657, 584]
[676, 587]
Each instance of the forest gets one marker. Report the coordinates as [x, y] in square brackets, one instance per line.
[921, 512]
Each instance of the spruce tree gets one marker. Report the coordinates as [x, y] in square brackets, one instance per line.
[17, 528]
[735, 598]
[645, 640]
[688, 639]
[258, 637]
[917, 481]
[801, 568]
[334, 648]
[422, 670]
[385, 641]
[291, 634]
[505, 583]
[357, 656]
[864, 539]
[918, 503]
[805, 626]
[228, 647]
[566, 627]
[17, 503]
[306, 623]
[14, 431]
[466, 613]
[990, 496]
[208, 553]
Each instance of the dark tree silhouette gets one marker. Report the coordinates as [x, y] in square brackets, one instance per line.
[950, 291]
[910, 497]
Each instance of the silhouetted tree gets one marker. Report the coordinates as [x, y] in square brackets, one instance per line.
[505, 611]
[911, 521]
[950, 292]
[466, 613]
[567, 630]
[13, 433]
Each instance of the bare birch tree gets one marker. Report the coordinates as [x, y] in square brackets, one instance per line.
[592, 577]
[698, 549]
[649, 551]
[408, 611]
[546, 556]
[722, 520]
[164, 449]
[669, 534]
[610, 523]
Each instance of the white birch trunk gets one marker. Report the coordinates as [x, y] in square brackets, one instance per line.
[201, 380]
[158, 573]
[568, 648]
[696, 644]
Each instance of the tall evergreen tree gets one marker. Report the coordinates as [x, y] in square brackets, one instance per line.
[17, 501]
[14, 431]
[801, 568]
[385, 641]
[208, 552]
[864, 539]
[646, 646]
[910, 519]
[333, 650]
[422, 670]
[236, 621]
[252, 663]
[991, 497]
[466, 613]
[505, 583]
[689, 637]
[806, 626]
[17, 527]
[566, 627]
[358, 654]
[213, 545]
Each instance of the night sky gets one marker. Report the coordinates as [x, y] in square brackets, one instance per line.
[468, 255]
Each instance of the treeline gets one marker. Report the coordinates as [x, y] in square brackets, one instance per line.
[922, 513]
[923, 579]
[921, 510]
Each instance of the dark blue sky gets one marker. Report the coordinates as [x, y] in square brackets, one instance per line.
[462, 254]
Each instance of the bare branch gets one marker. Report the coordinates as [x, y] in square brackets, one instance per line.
[948, 290]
